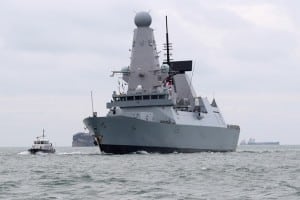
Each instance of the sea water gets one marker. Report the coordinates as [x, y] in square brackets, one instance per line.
[252, 172]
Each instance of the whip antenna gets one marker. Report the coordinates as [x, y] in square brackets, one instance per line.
[167, 42]
[92, 101]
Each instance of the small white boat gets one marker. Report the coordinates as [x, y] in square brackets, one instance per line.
[41, 144]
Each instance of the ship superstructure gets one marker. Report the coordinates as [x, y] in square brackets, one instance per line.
[160, 111]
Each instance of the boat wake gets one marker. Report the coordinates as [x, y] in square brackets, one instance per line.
[70, 153]
[77, 153]
[141, 152]
[24, 153]
[28, 153]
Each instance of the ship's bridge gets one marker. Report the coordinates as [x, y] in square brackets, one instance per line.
[140, 100]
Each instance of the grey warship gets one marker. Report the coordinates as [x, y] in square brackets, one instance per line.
[158, 111]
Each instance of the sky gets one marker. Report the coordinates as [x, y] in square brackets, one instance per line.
[246, 55]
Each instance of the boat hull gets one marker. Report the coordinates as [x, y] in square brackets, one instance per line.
[34, 151]
[121, 135]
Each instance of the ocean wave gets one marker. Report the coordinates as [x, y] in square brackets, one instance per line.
[142, 152]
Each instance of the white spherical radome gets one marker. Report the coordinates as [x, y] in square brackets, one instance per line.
[142, 19]
[165, 68]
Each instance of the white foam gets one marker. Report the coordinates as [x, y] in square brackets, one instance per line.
[41, 153]
[142, 152]
[71, 153]
[24, 153]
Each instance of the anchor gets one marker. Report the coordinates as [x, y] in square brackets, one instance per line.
[98, 140]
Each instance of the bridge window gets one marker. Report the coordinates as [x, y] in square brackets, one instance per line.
[146, 97]
[138, 97]
[123, 98]
[154, 96]
[130, 98]
[161, 96]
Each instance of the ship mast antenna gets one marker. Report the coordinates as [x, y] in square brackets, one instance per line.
[92, 102]
[167, 42]
[168, 47]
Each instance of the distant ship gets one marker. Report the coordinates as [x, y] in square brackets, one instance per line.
[251, 141]
[82, 140]
[41, 144]
[156, 108]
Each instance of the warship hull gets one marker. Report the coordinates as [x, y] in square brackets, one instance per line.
[120, 135]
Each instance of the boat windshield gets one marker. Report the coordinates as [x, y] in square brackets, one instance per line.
[41, 142]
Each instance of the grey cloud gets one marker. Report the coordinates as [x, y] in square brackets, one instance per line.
[260, 45]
